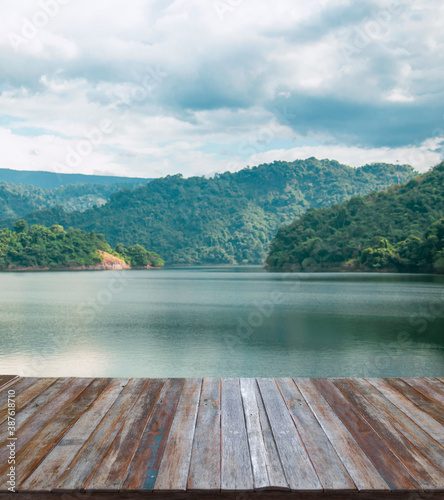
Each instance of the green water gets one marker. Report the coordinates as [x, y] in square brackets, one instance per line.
[221, 321]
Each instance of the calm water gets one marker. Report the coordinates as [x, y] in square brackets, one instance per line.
[221, 321]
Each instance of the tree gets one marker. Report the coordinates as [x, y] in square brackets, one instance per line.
[20, 226]
[138, 256]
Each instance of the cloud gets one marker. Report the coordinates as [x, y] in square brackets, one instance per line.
[420, 157]
[190, 89]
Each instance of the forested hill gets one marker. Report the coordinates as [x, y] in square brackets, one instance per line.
[51, 180]
[41, 248]
[17, 200]
[230, 218]
[400, 229]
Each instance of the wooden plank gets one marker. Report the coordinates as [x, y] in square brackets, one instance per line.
[426, 404]
[362, 471]
[57, 461]
[175, 463]
[276, 472]
[111, 471]
[423, 419]
[326, 462]
[236, 473]
[205, 465]
[66, 394]
[34, 406]
[297, 466]
[430, 387]
[86, 461]
[19, 387]
[256, 441]
[265, 461]
[21, 383]
[414, 433]
[394, 471]
[28, 394]
[5, 380]
[142, 471]
[35, 450]
[426, 474]
[40, 400]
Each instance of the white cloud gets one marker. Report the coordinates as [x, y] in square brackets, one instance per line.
[398, 95]
[421, 157]
[189, 91]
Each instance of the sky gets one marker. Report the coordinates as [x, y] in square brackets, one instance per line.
[154, 87]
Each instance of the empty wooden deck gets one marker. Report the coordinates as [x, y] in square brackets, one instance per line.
[223, 438]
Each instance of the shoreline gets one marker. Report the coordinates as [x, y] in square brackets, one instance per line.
[75, 269]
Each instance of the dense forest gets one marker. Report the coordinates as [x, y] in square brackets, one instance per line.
[39, 247]
[230, 218]
[17, 200]
[399, 229]
[51, 180]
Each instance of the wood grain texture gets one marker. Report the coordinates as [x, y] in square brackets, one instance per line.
[6, 381]
[175, 463]
[36, 449]
[428, 405]
[276, 474]
[256, 441]
[89, 456]
[394, 472]
[111, 471]
[329, 467]
[425, 473]
[236, 472]
[38, 402]
[430, 388]
[417, 436]
[205, 465]
[364, 474]
[67, 393]
[297, 466]
[45, 477]
[423, 419]
[245, 495]
[265, 461]
[27, 395]
[143, 469]
[233, 438]
[20, 388]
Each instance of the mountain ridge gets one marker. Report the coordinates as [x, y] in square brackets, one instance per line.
[50, 180]
[229, 218]
[398, 229]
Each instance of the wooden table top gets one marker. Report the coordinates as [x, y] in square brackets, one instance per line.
[223, 438]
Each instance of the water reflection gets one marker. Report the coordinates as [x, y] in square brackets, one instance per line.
[221, 321]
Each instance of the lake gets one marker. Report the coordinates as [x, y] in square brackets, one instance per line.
[222, 321]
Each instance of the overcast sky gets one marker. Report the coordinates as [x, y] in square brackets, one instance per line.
[150, 87]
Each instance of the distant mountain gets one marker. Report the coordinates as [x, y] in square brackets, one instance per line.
[399, 229]
[17, 200]
[51, 180]
[230, 218]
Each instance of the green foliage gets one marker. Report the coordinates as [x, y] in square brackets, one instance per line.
[54, 248]
[17, 200]
[20, 226]
[230, 218]
[400, 229]
[137, 256]
[52, 180]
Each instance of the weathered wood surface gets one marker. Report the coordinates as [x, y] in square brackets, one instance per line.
[204, 473]
[229, 438]
[236, 469]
